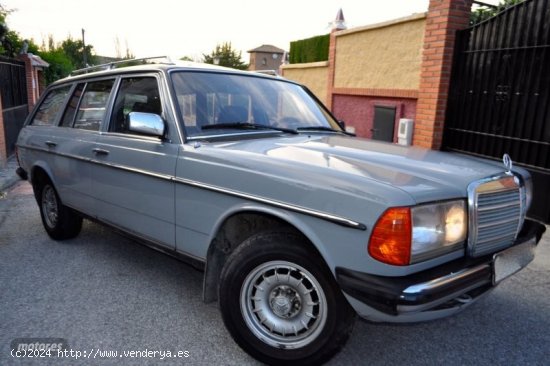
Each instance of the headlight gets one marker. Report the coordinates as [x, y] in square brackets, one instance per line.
[437, 229]
[406, 235]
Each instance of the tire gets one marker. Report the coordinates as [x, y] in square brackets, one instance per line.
[280, 302]
[60, 222]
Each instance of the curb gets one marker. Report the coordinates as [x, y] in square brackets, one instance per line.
[8, 182]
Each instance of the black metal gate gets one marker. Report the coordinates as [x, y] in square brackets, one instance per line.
[499, 94]
[13, 90]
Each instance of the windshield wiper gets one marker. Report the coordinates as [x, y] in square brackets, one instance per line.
[323, 128]
[248, 126]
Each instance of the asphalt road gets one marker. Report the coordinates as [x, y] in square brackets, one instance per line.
[101, 291]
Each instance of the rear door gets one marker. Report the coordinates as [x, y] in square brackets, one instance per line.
[76, 137]
[50, 142]
[133, 175]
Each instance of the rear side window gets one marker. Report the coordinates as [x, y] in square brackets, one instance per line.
[49, 109]
[70, 112]
[93, 105]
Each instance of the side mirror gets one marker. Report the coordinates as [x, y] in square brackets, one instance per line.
[149, 124]
[342, 124]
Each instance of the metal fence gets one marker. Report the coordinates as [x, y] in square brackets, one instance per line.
[13, 91]
[500, 90]
[13, 84]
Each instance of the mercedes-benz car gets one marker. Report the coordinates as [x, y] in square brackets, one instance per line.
[297, 224]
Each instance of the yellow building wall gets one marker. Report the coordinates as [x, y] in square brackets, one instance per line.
[313, 75]
[381, 56]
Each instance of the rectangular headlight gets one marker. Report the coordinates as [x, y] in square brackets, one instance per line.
[438, 229]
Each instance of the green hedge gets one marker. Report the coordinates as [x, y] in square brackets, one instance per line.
[309, 50]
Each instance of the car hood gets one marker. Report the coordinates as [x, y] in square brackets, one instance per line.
[425, 175]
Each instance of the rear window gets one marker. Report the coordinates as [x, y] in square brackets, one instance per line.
[51, 106]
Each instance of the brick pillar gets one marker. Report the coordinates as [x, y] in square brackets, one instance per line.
[3, 147]
[331, 68]
[444, 18]
[32, 84]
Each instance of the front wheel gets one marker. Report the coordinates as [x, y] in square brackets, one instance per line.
[280, 303]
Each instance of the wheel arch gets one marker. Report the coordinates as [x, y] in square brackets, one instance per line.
[38, 174]
[240, 223]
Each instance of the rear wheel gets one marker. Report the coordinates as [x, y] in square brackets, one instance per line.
[280, 302]
[60, 222]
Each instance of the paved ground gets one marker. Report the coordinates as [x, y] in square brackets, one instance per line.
[7, 174]
[103, 291]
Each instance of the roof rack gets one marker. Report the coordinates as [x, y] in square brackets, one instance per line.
[124, 63]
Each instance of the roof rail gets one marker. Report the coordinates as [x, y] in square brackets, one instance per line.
[124, 63]
[267, 72]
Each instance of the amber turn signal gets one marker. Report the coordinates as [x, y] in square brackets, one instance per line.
[391, 237]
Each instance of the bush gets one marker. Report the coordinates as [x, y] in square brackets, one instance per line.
[309, 50]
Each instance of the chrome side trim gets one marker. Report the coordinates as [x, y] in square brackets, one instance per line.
[100, 162]
[440, 282]
[319, 214]
[287, 206]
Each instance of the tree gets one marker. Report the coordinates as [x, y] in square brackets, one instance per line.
[481, 14]
[10, 41]
[75, 52]
[60, 64]
[227, 56]
[6, 46]
[63, 58]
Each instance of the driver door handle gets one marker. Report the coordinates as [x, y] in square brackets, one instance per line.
[98, 151]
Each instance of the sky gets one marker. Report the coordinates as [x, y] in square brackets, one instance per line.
[192, 28]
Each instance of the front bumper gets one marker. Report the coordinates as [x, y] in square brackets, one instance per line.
[450, 285]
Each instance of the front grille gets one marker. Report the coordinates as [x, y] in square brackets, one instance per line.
[495, 215]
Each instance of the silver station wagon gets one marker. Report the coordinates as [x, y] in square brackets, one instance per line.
[297, 224]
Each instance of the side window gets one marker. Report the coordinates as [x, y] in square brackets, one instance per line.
[70, 112]
[93, 105]
[50, 107]
[135, 95]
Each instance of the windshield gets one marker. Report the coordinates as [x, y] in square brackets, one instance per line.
[222, 104]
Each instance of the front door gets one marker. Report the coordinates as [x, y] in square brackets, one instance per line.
[132, 180]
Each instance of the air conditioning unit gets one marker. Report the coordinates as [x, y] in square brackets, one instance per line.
[405, 132]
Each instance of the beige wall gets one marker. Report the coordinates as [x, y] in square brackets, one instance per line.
[381, 56]
[313, 75]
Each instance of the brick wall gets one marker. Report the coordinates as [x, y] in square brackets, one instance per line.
[445, 17]
[358, 109]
